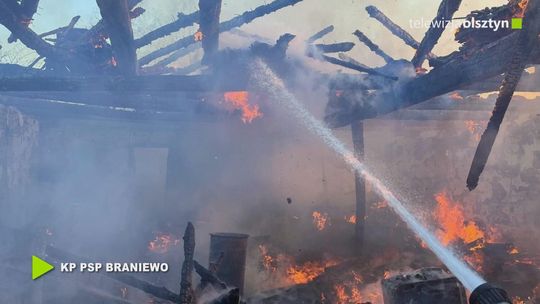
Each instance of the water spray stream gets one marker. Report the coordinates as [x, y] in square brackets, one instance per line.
[265, 79]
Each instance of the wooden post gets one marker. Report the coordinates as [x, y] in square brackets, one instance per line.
[118, 22]
[357, 130]
[209, 12]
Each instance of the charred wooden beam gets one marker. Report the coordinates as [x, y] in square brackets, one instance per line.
[347, 58]
[235, 22]
[462, 71]
[372, 46]
[11, 21]
[208, 277]
[254, 37]
[133, 84]
[395, 29]
[209, 13]
[375, 13]
[71, 24]
[145, 109]
[99, 29]
[187, 295]
[446, 11]
[29, 8]
[116, 14]
[355, 67]
[64, 30]
[136, 12]
[178, 54]
[528, 83]
[156, 291]
[325, 31]
[181, 22]
[13, 5]
[33, 63]
[25, 11]
[527, 41]
[163, 69]
[335, 47]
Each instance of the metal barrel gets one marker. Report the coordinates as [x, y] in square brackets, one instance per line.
[230, 249]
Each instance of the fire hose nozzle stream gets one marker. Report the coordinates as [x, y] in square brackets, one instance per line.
[489, 294]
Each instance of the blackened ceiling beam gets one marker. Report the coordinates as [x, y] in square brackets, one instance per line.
[446, 11]
[116, 14]
[527, 41]
[132, 84]
[235, 22]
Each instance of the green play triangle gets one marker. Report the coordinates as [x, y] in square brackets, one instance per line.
[40, 267]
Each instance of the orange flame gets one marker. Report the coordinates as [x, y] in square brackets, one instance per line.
[351, 292]
[453, 223]
[285, 271]
[307, 272]
[240, 100]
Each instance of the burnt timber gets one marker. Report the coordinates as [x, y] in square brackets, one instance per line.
[132, 84]
[116, 15]
[235, 22]
[446, 11]
[458, 73]
[527, 40]
[209, 12]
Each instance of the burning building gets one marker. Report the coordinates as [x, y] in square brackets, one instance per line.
[186, 143]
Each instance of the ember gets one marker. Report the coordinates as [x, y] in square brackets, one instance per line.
[456, 96]
[320, 220]
[268, 262]
[198, 36]
[163, 242]
[351, 219]
[522, 5]
[381, 205]
[476, 128]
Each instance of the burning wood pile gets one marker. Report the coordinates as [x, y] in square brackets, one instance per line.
[347, 279]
